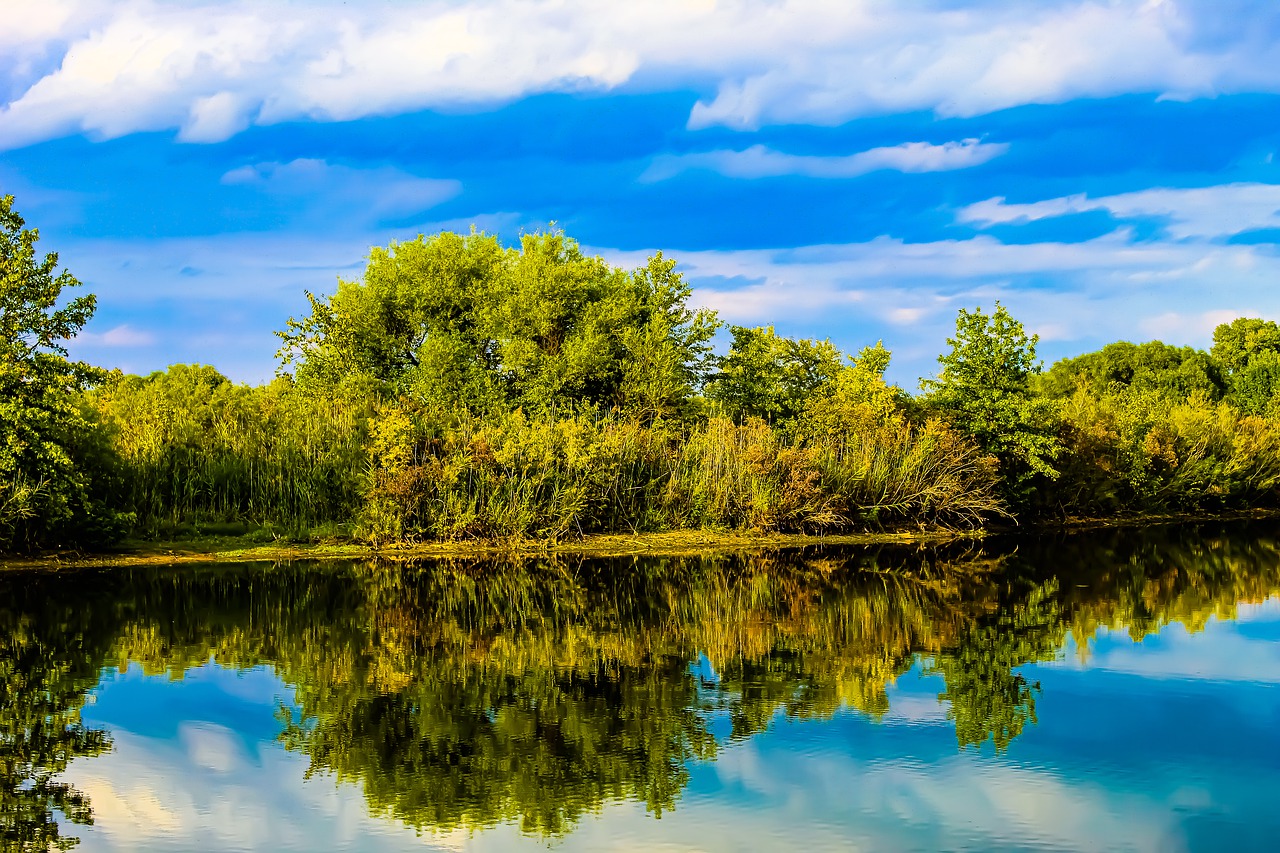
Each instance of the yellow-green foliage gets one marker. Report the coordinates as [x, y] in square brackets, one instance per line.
[1143, 450]
[890, 467]
[197, 448]
[510, 476]
[439, 477]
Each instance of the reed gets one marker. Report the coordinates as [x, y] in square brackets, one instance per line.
[459, 477]
[195, 449]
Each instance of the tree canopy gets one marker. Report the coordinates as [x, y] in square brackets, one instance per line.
[47, 444]
[459, 321]
[1176, 372]
[984, 388]
[769, 376]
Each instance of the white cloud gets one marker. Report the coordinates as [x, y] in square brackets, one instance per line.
[761, 162]
[122, 336]
[373, 193]
[1204, 212]
[210, 69]
[908, 293]
[215, 118]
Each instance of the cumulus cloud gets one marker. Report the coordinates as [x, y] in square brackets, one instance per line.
[210, 69]
[759, 161]
[1205, 212]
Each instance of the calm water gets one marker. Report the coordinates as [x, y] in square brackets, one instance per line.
[1114, 691]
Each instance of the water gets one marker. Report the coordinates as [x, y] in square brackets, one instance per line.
[1103, 691]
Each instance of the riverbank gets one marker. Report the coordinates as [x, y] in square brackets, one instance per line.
[246, 548]
[214, 549]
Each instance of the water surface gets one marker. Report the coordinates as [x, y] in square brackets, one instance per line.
[1103, 691]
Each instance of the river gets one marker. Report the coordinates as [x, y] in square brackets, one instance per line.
[1112, 690]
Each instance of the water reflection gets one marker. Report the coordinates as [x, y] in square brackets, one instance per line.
[466, 693]
[49, 658]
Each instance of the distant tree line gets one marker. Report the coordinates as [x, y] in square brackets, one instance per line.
[466, 389]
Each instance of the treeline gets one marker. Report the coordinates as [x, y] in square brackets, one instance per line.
[465, 389]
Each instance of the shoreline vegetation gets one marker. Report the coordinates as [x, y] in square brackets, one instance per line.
[468, 397]
[195, 548]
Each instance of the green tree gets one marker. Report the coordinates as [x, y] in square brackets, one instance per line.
[1174, 372]
[766, 375]
[413, 312]
[462, 322]
[47, 442]
[1248, 349]
[1254, 386]
[984, 389]
[1237, 342]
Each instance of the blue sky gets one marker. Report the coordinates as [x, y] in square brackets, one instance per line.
[853, 169]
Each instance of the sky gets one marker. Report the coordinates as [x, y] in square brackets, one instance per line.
[857, 170]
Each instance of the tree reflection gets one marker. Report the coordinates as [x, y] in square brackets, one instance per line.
[49, 659]
[464, 694]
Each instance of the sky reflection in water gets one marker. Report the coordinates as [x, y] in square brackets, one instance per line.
[1113, 740]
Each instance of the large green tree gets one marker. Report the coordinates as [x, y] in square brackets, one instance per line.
[49, 494]
[1237, 342]
[460, 321]
[1248, 350]
[984, 389]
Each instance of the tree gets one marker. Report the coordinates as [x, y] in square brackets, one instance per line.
[1174, 372]
[1253, 387]
[461, 322]
[47, 494]
[984, 389]
[1237, 342]
[1248, 349]
[766, 375]
[414, 316]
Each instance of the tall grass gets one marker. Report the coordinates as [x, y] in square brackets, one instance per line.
[515, 477]
[193, 449]
[197, 449]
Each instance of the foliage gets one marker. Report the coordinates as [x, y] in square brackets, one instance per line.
[1143, 451]
[1248, 349]
[196, 448]
[1254, 385]
[462, 389]
[461, 322]
[1237, 342]
[1176, 372]
[984, 389]
[768, 376]
[48, 492]
[513, 476]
